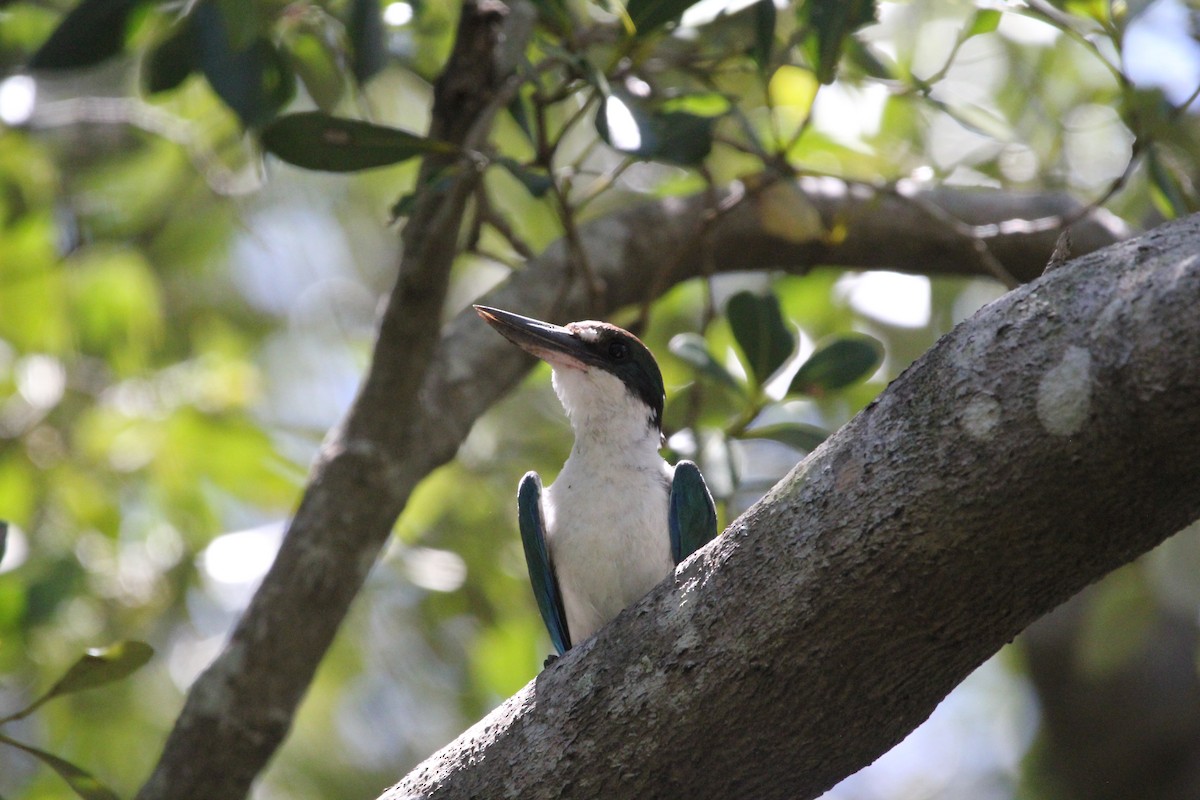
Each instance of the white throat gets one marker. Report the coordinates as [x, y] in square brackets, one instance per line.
[607, 418]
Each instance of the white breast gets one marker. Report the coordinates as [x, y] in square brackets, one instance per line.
[606, 513]
[608, 539]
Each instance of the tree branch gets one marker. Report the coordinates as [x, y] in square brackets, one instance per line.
[1045, 441]
[473, 368]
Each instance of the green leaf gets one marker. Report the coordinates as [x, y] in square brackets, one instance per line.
[312, 58]
[100, 666]
[553, 14]
[3, 538]
[764, 34]
[241, 21]
[826, 25]
[701, 104]
[92, 32]
[985, 21]
[365, 29]
[683, 138]
[315, 140]
[1097, 10]
[627, 124]
[169, 64]
[692, 348]
[255, 81]
[96, 667]
[976, 119]
[793, 87]
[403, 207]
[1165, 189]
[797, 435]
[867, 60]
[761, 333]
[47, 591]
[83, 783]
[13, 603]
[536, 181]
[519, 108]
[838, 363]
[648, 16]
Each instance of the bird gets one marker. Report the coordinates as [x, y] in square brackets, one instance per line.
[618, 518]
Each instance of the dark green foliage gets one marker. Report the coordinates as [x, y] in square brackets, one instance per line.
[315, 140]
[648, 16]
[761, 333]
[764, 33]
[521, 113]
[826, 25]
[368, 44]
[93, 32]
[83, 783]
[169, 64]
[1166, 188]
[838, 363]
[553, 14]
[94, 668]
[537, 181]
[692, 348]
[255, 81]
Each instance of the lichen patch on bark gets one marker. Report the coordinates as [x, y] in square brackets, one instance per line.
[980, 417]
[1065, 393]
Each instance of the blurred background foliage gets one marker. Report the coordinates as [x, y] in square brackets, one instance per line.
[183, 318]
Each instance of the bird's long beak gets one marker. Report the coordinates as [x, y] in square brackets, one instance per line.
[552, 343]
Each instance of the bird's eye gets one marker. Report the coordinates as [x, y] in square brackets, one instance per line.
[618, 350]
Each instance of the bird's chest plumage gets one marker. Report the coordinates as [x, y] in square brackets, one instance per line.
[606, 521]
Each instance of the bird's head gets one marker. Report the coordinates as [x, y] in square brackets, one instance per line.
[602, 374]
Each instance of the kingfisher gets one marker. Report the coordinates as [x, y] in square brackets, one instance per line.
[618, 518]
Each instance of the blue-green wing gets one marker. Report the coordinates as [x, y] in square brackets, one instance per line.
[692, 517]
[537, 557]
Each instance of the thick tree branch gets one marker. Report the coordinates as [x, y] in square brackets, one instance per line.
[1045, 441]
[640, 252]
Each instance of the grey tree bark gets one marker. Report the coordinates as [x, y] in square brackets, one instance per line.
[1045, 441]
